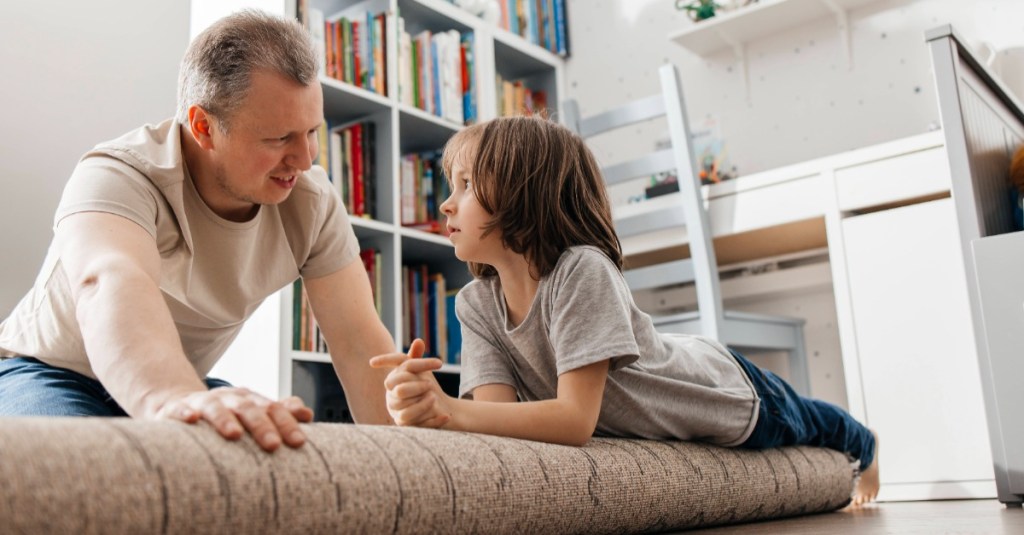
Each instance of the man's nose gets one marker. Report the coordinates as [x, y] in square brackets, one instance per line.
[301, 154]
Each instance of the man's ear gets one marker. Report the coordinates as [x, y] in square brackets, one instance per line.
[200, 124]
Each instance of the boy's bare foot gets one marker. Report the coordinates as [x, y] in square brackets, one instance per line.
[867, 485]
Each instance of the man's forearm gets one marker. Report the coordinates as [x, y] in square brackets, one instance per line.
[364, 386]
[132, 343]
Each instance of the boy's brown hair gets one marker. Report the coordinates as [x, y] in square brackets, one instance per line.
[542, 186]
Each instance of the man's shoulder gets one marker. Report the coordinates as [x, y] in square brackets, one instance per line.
[314, 182]
[314, 194]
[152, 150]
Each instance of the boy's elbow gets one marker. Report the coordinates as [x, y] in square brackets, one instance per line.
[580, 434]
[579, 441]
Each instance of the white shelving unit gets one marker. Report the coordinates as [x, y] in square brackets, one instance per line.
[262, 357]
[734, 29]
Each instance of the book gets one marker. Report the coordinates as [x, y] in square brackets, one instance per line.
[454, 328]
[561, 38]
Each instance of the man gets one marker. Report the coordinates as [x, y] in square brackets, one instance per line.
[168, 238]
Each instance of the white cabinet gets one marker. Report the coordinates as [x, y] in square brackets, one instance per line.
[901, 302]
[915, 360]
[1000, 291]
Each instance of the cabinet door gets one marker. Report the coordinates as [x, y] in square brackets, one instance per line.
[922, 388]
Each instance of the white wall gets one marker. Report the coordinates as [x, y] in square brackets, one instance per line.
[75, 73]
[804, 100]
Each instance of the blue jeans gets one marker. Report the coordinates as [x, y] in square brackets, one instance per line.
[787, 419]
[29, 387]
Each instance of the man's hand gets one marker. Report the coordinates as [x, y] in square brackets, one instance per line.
[413, 396]
[233, 411]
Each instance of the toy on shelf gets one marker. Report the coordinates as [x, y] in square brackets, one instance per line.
[698, 10]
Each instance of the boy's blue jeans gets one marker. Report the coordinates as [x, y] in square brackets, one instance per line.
[787, 419]
[29, 387]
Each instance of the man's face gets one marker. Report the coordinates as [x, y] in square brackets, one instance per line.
[271, 141]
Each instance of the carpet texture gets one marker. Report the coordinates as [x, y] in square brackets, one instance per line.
[127, 476]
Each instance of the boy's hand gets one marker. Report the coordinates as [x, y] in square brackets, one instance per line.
[413, 396]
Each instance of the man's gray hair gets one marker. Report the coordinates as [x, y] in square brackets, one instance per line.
[216, 72]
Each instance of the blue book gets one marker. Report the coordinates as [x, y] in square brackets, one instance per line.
[432, 349]
[561, 40]
[531, 22]
[436, 81]
[469, 97]
[513, 17]
[416, 305]
[454, 330]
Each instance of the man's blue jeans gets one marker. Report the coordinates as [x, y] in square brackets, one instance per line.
[29, 387]
[787, 419]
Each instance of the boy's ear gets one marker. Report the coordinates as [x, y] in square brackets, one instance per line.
[200, 124]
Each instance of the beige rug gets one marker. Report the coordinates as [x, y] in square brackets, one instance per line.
[124, 476]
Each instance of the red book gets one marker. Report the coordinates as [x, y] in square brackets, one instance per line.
[356, 63]
[464, 69]
[368, 256]
[358, 197]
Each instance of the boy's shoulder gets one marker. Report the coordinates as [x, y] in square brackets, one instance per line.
[585, 253]
[476, 293]
[581, 259]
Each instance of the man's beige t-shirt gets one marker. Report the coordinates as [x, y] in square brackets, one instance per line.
[214, 272]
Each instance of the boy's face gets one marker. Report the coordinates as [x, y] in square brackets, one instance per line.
[271, 141]
[466, 219]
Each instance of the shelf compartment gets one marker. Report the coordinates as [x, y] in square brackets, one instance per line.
[345, 102]
[422, 131]
[435, 16]
[528, 66]
[420, 247]
[317, 384]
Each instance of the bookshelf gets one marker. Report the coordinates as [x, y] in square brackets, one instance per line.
[263, 357]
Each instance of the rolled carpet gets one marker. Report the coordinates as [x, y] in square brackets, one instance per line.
[116, 475]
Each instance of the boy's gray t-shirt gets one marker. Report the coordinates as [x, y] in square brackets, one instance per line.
[659, 386]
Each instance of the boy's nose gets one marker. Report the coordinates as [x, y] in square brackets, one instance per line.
[447, 207]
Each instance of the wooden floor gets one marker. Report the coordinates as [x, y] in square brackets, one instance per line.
[987, 517]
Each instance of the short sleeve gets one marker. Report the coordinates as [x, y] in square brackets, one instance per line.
[104, 184]
[334, 243]
[590, 313]
[484, 360]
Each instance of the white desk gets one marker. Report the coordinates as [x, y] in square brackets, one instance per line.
[885, 216]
